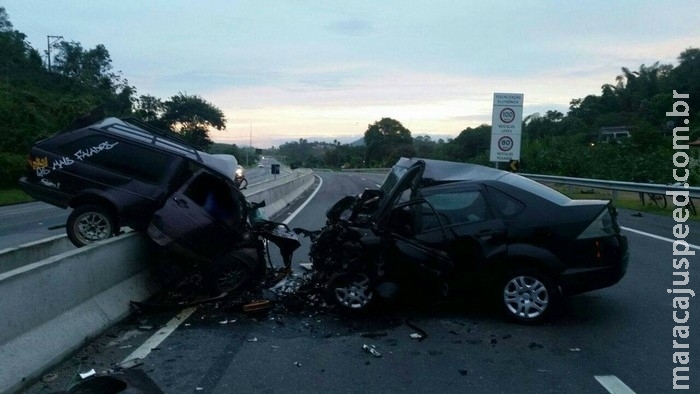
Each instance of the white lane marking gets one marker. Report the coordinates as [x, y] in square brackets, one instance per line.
[613, 384]
[311, 197]
[656, 236]
[160, 335]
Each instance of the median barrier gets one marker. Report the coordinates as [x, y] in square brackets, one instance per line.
[54, 298]
[22, 255]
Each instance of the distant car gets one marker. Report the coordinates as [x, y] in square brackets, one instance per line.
[113, 173]
[455, 226]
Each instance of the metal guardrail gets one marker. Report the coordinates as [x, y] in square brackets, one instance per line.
[614, 186]
[655, 188]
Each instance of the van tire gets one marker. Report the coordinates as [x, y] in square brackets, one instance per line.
[90, 223]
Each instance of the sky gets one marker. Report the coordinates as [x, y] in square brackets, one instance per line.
[326, 70]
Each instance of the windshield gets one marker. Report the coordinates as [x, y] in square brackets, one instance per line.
[390, 181]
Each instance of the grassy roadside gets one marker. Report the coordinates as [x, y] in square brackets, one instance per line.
[13, 196]
[624, 200]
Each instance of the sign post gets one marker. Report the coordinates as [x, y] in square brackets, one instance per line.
[506, 127]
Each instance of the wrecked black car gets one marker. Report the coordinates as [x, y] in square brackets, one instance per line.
[210, 223]
[490, 234]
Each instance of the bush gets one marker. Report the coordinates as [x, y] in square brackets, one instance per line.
[11, 169]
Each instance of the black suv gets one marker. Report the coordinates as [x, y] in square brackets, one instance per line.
[114, 173]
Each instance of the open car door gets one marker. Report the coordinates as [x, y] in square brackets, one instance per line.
[204, 216]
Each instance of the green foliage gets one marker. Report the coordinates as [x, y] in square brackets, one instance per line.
[12, 167]
[386, 141]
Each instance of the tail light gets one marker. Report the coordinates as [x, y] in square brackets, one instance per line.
[604, 225]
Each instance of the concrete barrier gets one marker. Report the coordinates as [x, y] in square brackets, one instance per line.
[51, 307]
[283, 193]
[22, 255]
[54, 298]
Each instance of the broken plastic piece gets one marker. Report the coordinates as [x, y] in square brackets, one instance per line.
[257, 305]
[371, 350]
[87, 374]
[416, 335]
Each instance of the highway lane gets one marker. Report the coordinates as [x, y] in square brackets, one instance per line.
[623, 331]
[29, 222]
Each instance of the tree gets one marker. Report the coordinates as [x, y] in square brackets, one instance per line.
[192, 117]
[386, 140]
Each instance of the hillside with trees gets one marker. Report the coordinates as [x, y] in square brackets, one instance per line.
[556, 143]
[39, 98]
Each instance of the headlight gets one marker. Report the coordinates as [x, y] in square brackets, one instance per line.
[239, 172]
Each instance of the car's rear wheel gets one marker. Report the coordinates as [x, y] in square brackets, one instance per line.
[351, 291]
[90, 223]
[528, 296]
[230, 273]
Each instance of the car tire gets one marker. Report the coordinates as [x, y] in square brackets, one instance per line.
[351, 291]
[230, 273]
[90, 223]
[528, 296]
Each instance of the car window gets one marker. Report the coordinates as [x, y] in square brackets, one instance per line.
[458, 207]
[127, 159]
[215, 196]
[536, 188]
[505, 204]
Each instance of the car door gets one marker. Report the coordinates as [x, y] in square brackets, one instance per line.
[474, 235]
[204, 216]
[416, 239]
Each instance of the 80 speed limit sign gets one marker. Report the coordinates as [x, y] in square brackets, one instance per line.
[505, 143]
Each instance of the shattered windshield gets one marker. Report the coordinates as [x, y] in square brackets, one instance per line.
[392, 179]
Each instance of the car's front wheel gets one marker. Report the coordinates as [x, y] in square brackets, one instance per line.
[351, 291]
[232, 272]
[528, 296]
[90, 223]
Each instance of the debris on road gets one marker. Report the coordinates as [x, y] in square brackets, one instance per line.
[371, 350]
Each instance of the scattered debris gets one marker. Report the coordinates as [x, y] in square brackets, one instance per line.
[371, 350]
[297, 364]
[463, 372]
[419, 330]
[416, 335]
[87, 374]
[253, 339]
[374, 335]
[574, 349]
[256, 306]
[49, 377]
[535, 345]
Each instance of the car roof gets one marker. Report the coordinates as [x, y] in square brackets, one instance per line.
[136, 130]
[437, 171]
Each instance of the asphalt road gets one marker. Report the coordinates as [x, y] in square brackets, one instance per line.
[612, 340]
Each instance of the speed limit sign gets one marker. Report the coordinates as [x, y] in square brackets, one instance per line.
[507, 115]
[505, 143]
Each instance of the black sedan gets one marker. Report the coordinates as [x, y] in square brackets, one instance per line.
[448, 226]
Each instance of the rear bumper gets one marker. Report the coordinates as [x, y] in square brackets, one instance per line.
[47, 194]
[581, 280]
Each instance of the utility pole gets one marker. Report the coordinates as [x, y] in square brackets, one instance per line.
[48, 48]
